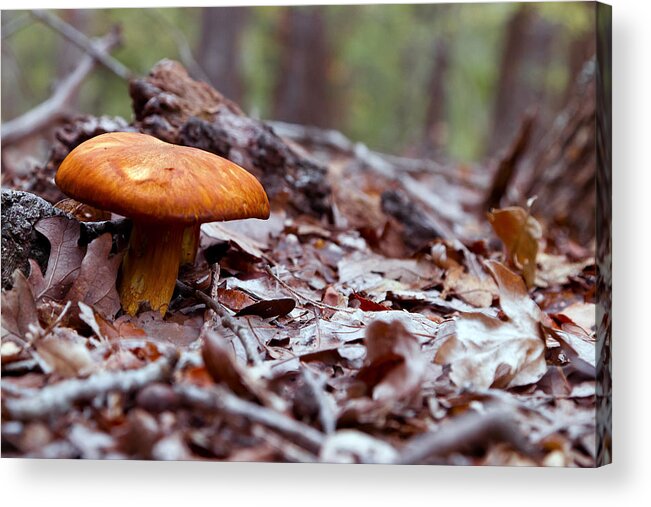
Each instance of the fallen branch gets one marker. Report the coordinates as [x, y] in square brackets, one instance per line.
[61, 397]
[467, 431]
[83, 42]
[387, 165]
[219, 399]
[53, 109]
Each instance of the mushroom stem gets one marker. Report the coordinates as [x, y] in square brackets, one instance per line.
[150, 266]
[190, 243]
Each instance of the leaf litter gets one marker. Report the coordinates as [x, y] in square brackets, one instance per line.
[336, 342]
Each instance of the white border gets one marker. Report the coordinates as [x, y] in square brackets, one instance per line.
[52, 483]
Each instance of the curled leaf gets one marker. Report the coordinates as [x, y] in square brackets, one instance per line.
[520, 233]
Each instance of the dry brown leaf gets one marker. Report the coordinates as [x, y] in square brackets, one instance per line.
[475, 291]
[64, 262]
[65, 352]
[394, 365]
[520, 233]
[18, 308]
[95, 284]
[486, 351]
[557, 269]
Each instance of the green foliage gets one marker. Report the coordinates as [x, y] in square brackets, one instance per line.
[382, 63]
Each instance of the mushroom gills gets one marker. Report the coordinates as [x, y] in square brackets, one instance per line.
[150, 266]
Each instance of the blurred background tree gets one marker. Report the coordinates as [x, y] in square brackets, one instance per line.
[449, 81]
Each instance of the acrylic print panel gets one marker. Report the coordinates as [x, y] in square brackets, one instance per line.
[342, 234]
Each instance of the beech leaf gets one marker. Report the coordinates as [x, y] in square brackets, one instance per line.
[520, 233]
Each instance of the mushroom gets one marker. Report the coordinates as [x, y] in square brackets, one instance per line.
[167, 191]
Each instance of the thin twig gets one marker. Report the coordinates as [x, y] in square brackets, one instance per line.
[220, 399]
[290, 451]
[466, 431]
[83, 42]
[315, 384]
[61, 397]
[53, 109]
[248, 342]
[307, 299]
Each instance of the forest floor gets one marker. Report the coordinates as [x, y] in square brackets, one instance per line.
[403, 325]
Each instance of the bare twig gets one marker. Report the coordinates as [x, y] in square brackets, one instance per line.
[61, 397]
[290, 451]
[305, 298]
[220, 399]
[248, 342]
[83, 42]
[316, 385]
[466, 431]
[16, 24]
[185, 51]
[53, 109]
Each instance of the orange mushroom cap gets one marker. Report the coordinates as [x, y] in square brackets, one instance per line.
[146, 179]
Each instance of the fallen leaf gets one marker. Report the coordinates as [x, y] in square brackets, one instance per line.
[557, 269]
[18, 308]
[487, 351]
[268, 309]
[83, 212]
[221, 364]
[95, 283]
[367, 305]
[394, 365]
[520, 233]
[582, 314]
[65, 352]
[65, 258]
[476, 291]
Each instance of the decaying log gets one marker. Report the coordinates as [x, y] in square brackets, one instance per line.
[172, 106]
[20, 242]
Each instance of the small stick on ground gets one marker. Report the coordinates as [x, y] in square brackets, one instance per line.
[220, 399]
[61, 397]
[248, 342]
[316, 384]
[307, 299]
[466, 431]
[290, 451]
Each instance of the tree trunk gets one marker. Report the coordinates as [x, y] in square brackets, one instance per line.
[302, 93]
[220, 48]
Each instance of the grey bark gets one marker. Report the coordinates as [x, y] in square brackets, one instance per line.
[20, 241]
